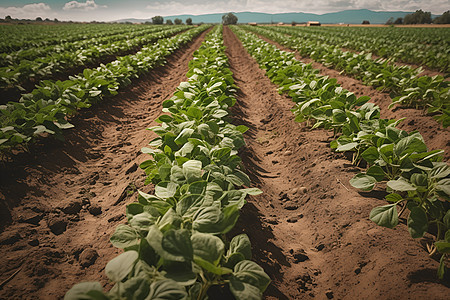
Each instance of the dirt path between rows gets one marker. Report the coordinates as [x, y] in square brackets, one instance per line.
[60, 204]
[310, 229]
[435, 136]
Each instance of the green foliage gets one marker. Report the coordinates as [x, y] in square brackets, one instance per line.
[169, 22]
[443, 19]
[417, 179]
[419, 17]
[175, 243]
[157, 20]
[44, 111]
[178, 21]
[229, 19]
[188, 21]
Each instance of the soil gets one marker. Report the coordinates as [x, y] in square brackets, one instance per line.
[60, 203]
[310, 231]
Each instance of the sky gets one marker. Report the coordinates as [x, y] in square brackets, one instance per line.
[110, 10]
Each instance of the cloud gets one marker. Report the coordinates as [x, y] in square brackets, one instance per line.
[29, 11]
[82, 6]
[173, 7]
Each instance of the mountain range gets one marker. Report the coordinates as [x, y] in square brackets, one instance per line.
[356, 16]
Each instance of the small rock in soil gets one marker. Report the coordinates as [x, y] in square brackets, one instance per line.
[73, 207]
[57, 224]
[272, 221]
[294, 219]
[88, 257]
[291, 206]
[95, 210]
[320, 247]
[30, 217]
[287, 153]
[33, 242]
[303, 189]
[329, 294]
[357, 270]
[131, 169]
[299, 255]
[9, 238]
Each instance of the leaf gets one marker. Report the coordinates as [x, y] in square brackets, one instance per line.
[441, 269]
[393, 197]
[119, 267]
[192, 170]
[166, 289]
[376, 172]
[165, 189]
[347, 147]
[207, 247]
[178, 244]
[400, 185]
[249, 272]
[241, 244]
[363, 182]
[244, 291]
[417, 222]
[443, 246]
[385, 215]
[80, 291]
[124, 237]
[370, 155]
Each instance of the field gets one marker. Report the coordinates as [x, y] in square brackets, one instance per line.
[281, 162]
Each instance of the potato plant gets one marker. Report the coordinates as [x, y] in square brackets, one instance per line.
[416, 178]
[175, 241]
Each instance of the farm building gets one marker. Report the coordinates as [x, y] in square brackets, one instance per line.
[313, 23]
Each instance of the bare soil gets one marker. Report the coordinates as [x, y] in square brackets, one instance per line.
[60, 203]
[310, 230]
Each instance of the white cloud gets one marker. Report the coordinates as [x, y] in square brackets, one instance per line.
[28, 11]
[84, 6]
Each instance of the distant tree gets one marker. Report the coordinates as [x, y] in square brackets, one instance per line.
[293, 23]
[398, 21]
[188, 21]
[390, 21]
[229, 18]
[365, 22]
[148, 23]
[178, 21]
[169, 22]
[55, 20]
[8, 18]
[444, 19]
[419, 17]
[158, 20]
[38, 19]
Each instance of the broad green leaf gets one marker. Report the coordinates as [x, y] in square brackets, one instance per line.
[208, 247]
[370, 154]
[136, 288]
[417, 222]
[80, 291]
[166, 289]
[124, 237]
[385, 215]
[363, 182]
[244, 291]
[192, 170]
[443, 246]
[249, 272]
[241, 244]
[347, 147]
[119, 267]
[400, 185]
[165, 189]
[178, 244]
[376, 172]
[394, 197]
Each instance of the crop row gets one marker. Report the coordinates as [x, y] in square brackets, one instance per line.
[422, 46]
[402, 82]
[417, 179]
[175, 240]
[13, 76]
[34, 36]
[45, 110]
[15, 57]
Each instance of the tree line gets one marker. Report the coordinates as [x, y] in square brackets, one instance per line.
[421, 17]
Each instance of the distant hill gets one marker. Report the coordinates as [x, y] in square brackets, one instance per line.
[347, 16]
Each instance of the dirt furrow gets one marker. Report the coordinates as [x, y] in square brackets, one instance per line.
[309, 229]
[435, 136]
[60, 203]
